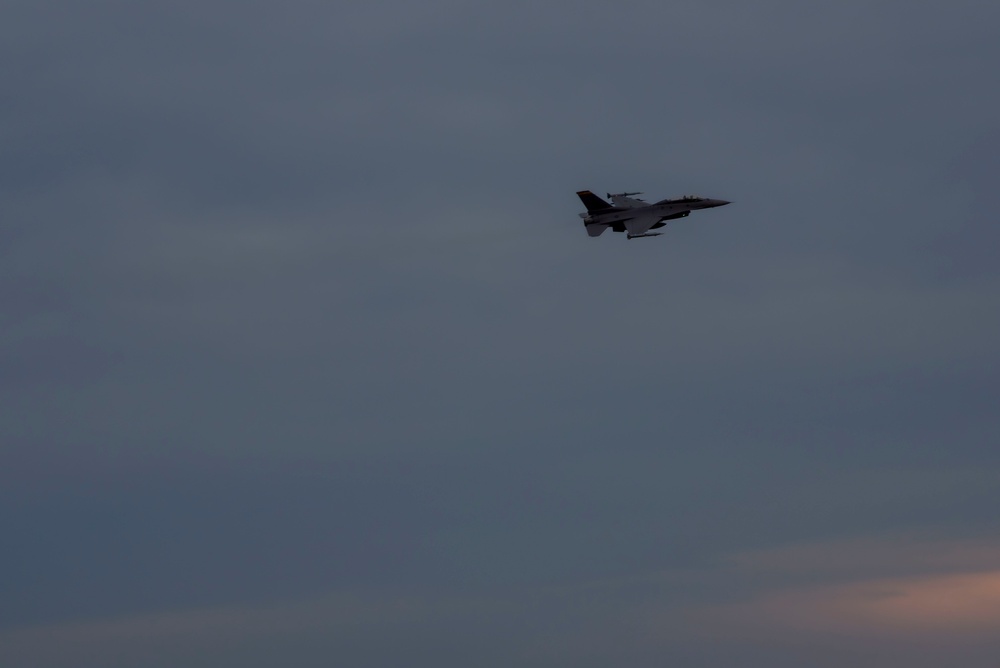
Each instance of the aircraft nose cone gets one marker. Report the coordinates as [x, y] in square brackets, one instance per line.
[720, 202]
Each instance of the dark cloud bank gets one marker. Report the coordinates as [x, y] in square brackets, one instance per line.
[306, 358]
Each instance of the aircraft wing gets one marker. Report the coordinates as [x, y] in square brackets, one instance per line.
[625, 202]
[641, 224]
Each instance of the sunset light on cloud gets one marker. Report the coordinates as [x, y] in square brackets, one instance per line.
[967, 603]
[869, 588]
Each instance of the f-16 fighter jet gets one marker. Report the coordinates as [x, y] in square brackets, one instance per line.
[636, 217]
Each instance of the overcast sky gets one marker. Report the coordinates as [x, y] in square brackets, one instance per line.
[306, 358]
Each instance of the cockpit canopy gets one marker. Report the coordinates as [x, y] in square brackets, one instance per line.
[679, 200]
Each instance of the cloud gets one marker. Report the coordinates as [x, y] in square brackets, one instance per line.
[295, 300]
[519, 627]
[945, 606]
[853, 606]
[872, 556]
[142, 637]
[881, 593]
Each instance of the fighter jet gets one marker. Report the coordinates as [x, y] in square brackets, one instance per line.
[636, 217]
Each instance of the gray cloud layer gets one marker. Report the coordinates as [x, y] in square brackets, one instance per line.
[300, 327]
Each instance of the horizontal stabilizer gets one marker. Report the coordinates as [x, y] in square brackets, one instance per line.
[596, 230]
[592, 201]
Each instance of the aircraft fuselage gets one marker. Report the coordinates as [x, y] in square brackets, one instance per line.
[636, 216]
[666, 209]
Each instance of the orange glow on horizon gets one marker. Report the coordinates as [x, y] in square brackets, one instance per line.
[957, 602]
[967, 603]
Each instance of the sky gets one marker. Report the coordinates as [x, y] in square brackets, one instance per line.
[306, 358]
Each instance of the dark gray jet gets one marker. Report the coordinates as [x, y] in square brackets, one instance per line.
[636, 217]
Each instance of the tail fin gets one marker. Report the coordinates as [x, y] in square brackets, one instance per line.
[592, 201]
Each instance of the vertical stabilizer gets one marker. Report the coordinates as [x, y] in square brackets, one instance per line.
[592, 201]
